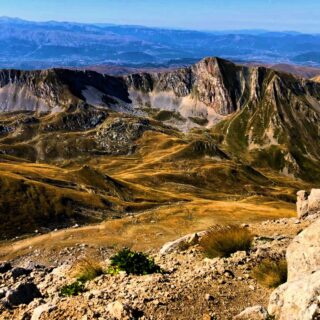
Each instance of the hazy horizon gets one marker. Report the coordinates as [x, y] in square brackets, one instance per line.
[245, 30]
[203, 15]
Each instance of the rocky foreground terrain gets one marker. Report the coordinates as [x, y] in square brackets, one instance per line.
[192, 286]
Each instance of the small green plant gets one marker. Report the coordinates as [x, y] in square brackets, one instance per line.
[72, 289]
[222, 241]
[131, 262]
[271, 274]
[87, 269]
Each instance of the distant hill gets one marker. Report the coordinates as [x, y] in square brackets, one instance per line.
[38, 45]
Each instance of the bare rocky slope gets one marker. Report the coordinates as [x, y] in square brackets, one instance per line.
[193, 287]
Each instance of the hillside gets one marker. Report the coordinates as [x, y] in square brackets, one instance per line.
[78, 147]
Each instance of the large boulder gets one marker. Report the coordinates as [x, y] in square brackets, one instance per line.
[297, 300]
[303, 254]
[24, 293]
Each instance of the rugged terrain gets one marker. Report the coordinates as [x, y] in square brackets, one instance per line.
[219, 288]
[91, 163]
[79, 147]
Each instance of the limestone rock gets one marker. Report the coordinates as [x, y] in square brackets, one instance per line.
[297, 300]
[302, 203]
[253, 313]
[118, 310]
[179, 244]
[308, 205]
[303, 254]
[37, 312]
[314, 201]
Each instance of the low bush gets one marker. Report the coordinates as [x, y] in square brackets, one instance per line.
[131, 262]
[73, 289]
[222, 241]
[271, 274]
[87, 269]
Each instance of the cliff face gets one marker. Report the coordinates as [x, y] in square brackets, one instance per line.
[215, 88]
[56, 89]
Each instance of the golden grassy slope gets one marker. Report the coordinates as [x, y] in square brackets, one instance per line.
[172, 195]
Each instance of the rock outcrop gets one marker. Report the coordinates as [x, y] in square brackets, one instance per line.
[303, 254]
[308, 205]
[298, 299]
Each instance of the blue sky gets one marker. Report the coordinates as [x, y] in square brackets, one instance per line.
[300, 15]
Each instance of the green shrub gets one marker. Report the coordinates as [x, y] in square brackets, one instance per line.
[132, 262]
[222, 241]
[73, 289]
[271, 274]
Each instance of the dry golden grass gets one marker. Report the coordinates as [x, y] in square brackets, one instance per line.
[222, 241]
[271, 274]
[153, 228]
[86, 269]
[169, 198]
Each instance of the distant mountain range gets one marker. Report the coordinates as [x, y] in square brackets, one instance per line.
[37, 45]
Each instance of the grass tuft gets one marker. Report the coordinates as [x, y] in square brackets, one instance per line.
[222, 241]
[271, 274]
[87, 269]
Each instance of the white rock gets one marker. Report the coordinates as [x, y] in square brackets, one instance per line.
[190, 239]
[253, 313]
[119, 311]
[297, 300]
[314, 201]
[41, 309]
[303, 254]
[302, 203]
